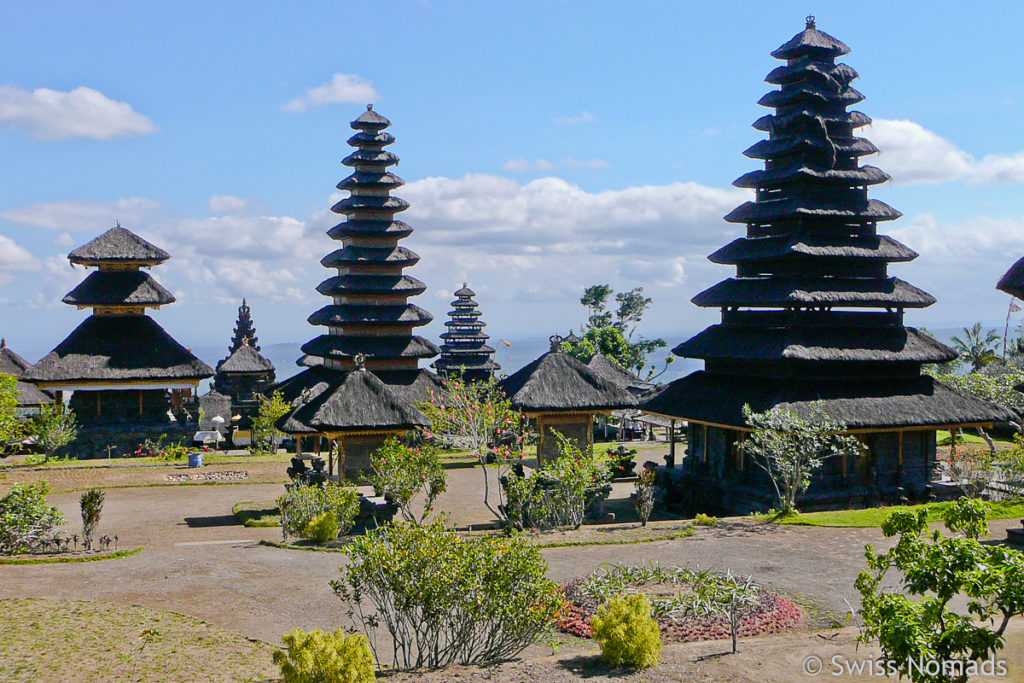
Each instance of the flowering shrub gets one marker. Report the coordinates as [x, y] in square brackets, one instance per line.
[402, 472]
[26, 521]
[643, 503]
[558, 494]
[445, 598]
[301, 506]
[626, 632]
[699, 605]
[316, 656]
[161, 450]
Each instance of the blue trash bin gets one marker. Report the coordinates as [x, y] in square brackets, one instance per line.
[195, 459]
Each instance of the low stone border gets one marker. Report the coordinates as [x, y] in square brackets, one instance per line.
[226, 475]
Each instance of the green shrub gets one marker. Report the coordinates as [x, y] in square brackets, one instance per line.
[402, 472]
[705, 520]
[626, 631]
[322, 528]
[444, 598]
[25, 519]
[301, 504]
[318, 657]
[91, 504]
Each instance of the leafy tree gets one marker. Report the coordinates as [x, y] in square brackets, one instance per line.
[11, 429]
[478, 415]
[791, 448]
[977, 347]
[264, 431]
[53, 427]
[996, 384]
[403, 472]
[611, 334]
[918, 629]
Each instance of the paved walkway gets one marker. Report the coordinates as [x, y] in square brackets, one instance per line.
[199, 561]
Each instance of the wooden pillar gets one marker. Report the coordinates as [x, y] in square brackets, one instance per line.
[590, 431]
[705, 444]
[98, 407]
[672, 441]
[899, 458]
[140, 401]
[540, 440]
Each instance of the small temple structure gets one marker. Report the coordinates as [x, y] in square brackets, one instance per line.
[561, 393]
[30, 397]
[362, 380]
[245, 374]
[812, 315]
[128, 377]
[464, 347]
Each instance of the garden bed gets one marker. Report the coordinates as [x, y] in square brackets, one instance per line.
[74, 556]
[675, 603]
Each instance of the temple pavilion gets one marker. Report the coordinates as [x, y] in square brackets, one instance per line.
[464, 347]
[559, 392]
[128, 377]
[30, 397]
[363, 381]
[245, 374]
[812, 314]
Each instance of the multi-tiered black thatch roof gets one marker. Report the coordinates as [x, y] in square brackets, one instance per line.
[245, 330]
[118, 343]
[13, 364]
[465, 347]
[797, 320]
[370, 321]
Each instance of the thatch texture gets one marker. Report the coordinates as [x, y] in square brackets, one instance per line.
[781, 291]
[1012, 282]
[464, 349]
[13, 364]
[245, 360]
[861, 404]
[117, 245]
[119, 287]
[118, 347]
[557, 382]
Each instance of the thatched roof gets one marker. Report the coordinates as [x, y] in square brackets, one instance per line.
[465, 349]
[347, 346]
[118, 244]
[860, 403]
[13, 364]
[894, 344]
[557, 382]
[119, 287]
[245, 360]
[811, 42]
[868, 247]
[118, 347]
[781, 291]
[1012, 282]
[329, 401]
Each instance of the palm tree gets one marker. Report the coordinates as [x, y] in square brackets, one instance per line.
[977, 347]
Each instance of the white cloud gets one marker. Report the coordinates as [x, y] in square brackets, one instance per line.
[341, 88]
[80, 113]
[13, 256]
[64, 240]
[588, 163]
[914, 155]
[228, 203]
[83, 216]
[582, 117]
[520, 164]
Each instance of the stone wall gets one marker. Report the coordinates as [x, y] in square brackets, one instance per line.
[123, 440]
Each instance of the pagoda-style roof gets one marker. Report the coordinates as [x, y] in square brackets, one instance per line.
[118, 245]
[245, 360]
[464, 349]
[245, 330]
[1012, 282]
[13, 364]
[557, 382]
[797, 320]
[118, 348]
[119, 288]
[873, 404]
[356, 400]
[337, 347]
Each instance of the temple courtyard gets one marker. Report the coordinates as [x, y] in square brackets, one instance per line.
[198, 560]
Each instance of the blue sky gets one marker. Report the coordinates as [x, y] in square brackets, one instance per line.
[547, 146]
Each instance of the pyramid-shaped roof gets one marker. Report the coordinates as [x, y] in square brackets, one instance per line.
[118, 245]
[557, 382]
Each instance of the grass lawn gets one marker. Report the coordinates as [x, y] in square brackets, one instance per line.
[873, 517]
[968, 435]
[68, 640]
[253, 514]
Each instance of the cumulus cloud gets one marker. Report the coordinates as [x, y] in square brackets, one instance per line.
[74, 215]
[15, 257]
[519, 164]
[80, 113]
[914, 155]
[340, 89]
[582, 117]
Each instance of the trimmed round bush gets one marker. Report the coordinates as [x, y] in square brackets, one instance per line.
[318, 656]
[627, 633]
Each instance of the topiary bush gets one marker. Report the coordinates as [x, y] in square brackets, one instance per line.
[322, 528]
[627, 633]
[317, 657]
[301, 504]
[445, 598]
